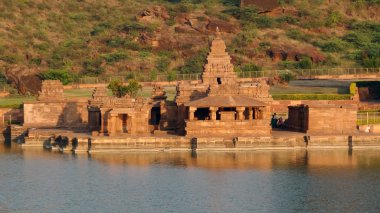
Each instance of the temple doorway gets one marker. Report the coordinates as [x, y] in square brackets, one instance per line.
[155, 115]
[124, 119]
[202, 114]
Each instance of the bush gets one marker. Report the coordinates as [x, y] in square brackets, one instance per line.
[57, 74]
[297, 35]
[333, 45]
[171, 76]
[305, 63]
[286, 76]
[286, 65]
[311, 97]
[115, 57]
[357, 39]
[195, 64]
[333, 19]
[250, 67]
[92, 67]
[119, 90]
[162, 64]
[264, 21]
[287, 19]
[369, 57]
[352, 89]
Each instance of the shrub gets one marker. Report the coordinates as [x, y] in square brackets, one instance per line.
[250, 67]
[115, 57]
[119, 90]
[286, 76]
[287, 19]
[195, 64]
[162, 64]
[357, 39]
[369, 57]
[57, 74]
[333, 19]
[352, 89]
[92, 67]
[264, 21]
[171, 76]
[305, 63]
[153, 75]
[115, 42]
[333, 45]
[297, 35]
[286, 65]
[133, 88]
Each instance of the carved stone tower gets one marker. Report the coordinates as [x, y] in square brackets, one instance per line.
[219, 69]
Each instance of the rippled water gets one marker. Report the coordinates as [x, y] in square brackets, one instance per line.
[262, 181]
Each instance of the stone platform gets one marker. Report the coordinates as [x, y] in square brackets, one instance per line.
[67, 140]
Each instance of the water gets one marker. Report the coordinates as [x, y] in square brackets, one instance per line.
[261, 181]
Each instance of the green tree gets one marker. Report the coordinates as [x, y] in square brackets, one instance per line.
[57, 74]
[119, 90]
[133, 88]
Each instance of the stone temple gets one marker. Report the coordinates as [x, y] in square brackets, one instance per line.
[218, 105]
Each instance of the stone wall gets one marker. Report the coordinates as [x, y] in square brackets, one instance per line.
[323, 119]
[64, 113]
[230, 128]
[281, 106]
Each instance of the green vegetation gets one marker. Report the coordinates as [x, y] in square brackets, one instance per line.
[56, 74]
[14, 101]
[72, 38]
[119, 90]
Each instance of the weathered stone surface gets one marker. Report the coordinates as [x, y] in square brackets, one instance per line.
[323, 119]
[51, 90]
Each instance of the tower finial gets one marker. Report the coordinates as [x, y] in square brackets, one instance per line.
[217, 33]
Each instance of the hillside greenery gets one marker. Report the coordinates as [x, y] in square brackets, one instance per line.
[75, 38]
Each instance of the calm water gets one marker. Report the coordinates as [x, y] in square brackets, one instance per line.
[265, 181]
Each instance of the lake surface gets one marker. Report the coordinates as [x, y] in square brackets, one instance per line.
[34, 180]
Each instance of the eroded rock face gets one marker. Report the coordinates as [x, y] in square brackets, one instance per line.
[155, 13]
[24, 79]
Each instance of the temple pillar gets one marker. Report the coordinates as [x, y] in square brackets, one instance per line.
[131, 124]
[102, 121]
[240, 113]
[112, 124]
[191, 113]
[250, 113]
[213, 111]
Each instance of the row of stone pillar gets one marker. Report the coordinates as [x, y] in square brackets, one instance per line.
[240, 113]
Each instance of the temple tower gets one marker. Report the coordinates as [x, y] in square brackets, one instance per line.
[219, 69]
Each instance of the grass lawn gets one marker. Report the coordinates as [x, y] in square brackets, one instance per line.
[76, 93]
[312, 87]
[15, 102]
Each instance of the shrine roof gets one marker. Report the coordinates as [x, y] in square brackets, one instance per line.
[226, 101]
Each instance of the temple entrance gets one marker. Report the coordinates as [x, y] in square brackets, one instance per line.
[219, 80]
[124, 121]
[202, 114]
[155, 115]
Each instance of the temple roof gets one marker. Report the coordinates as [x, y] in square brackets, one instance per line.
[226, 101]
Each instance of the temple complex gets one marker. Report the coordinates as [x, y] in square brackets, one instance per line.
[217, 111]
[218, 104]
